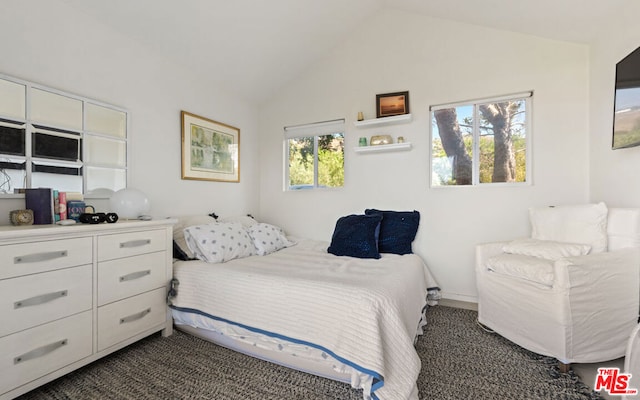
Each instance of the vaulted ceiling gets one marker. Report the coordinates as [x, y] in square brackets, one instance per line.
[255, 46]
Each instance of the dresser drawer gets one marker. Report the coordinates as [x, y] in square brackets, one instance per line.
[30, 354]
[126, 277]
[130, 244]
[123, 319]
[29, 258]
[35, 299]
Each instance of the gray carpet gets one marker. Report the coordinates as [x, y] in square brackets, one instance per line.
[459, 361]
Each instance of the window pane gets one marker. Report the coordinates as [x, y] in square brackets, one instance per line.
[452, 146]
[106, 120]
[331, 160]
[12, 99]
[502, 142]
[9, 163]
[99, 179]
[63, 183]
[57, 169]
[56, 110]
[12, 175]
[301, 163]
[12, 140]
[105, 152]
[55, 147]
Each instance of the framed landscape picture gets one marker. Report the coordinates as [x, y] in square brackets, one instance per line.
[210, 149]
[390, 104]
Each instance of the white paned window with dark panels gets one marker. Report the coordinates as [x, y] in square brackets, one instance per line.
[49, 138]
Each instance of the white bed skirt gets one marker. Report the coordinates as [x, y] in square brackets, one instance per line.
[291, 355]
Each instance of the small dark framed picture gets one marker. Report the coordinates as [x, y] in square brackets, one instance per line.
[389, 104]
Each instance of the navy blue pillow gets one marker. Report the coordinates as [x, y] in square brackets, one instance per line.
[356, 236]
[398, 229]
[179, 253]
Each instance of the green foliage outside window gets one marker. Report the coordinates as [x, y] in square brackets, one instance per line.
[301, 161]
[330, 162]
[331, 167]
[487, 156]
[487, 153]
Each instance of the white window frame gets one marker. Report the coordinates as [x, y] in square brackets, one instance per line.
[313, 130]
[31, 126]
[527, 97]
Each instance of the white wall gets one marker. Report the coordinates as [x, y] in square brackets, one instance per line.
[47, 42]
[438, 62]
[613, 173]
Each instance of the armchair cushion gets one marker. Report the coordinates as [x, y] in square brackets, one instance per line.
[584, 223]
[533, 269]
[548, 249]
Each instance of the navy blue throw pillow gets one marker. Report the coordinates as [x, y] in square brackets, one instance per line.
[179, 253]
[398, 229]
[356, 236]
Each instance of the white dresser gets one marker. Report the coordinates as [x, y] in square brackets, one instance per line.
[73, 294]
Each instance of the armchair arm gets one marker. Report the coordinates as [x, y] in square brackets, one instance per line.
[602, 292]
[592, 271]
[485, 251]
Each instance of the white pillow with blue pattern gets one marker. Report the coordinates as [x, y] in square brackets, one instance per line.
[268, 238]
[219, 242]
[180, 249]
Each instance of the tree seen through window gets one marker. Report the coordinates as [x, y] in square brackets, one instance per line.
[480, 143]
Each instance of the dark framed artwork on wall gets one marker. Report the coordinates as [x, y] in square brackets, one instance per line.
[389, 104]
[210, 149]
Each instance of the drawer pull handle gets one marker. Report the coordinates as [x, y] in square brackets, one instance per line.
[40, 351]
[135, 243]
[135, 275]
[135, 317]
[41, 299]
[39, 257]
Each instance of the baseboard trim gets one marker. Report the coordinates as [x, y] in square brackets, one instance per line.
[467, 305]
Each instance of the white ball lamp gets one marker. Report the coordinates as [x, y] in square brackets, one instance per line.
[130, 203]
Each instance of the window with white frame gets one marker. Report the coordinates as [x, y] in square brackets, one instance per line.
[314, 155]
[481, 142]
[50, 138]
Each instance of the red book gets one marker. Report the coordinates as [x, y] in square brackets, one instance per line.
[62, 204]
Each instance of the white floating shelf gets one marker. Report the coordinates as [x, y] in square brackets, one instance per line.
[381, 148]
[396, 119]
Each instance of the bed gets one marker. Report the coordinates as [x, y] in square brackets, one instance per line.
[346, 318]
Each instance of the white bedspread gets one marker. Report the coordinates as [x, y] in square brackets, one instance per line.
[364, 312]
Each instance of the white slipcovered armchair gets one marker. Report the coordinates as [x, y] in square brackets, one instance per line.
[571, 290]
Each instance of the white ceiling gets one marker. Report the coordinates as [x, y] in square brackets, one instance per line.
[254, 46]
